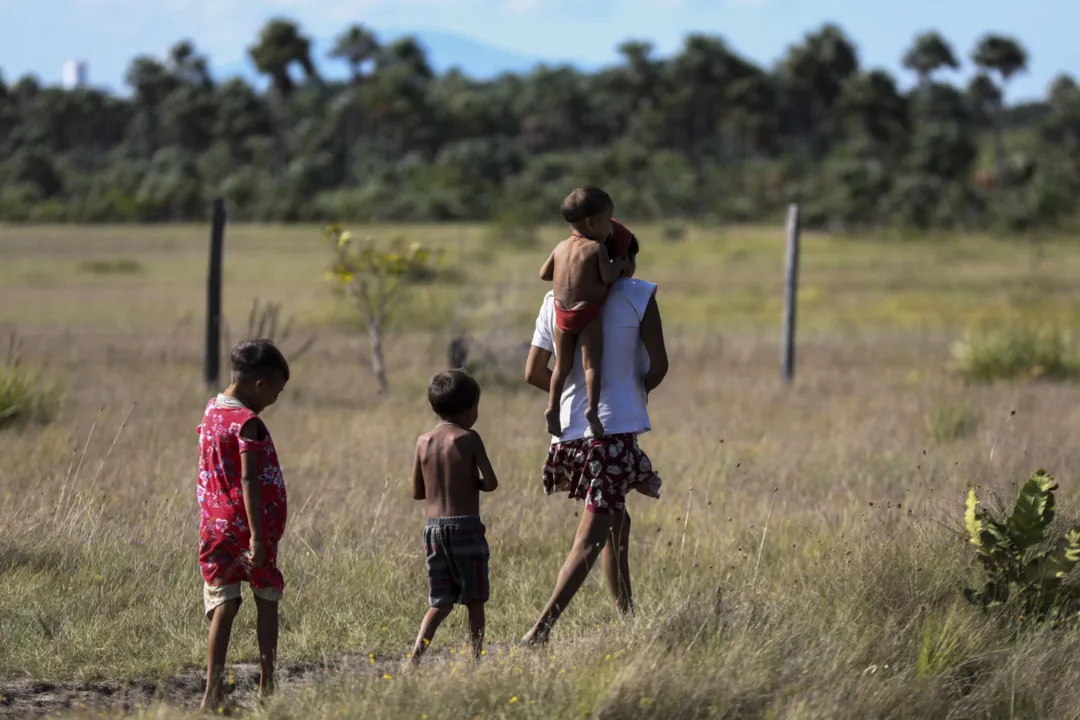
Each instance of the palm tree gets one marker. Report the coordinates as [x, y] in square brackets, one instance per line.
[280, 45]
[929, 53]
[356, 46]
[152, 82]
[1007, 57]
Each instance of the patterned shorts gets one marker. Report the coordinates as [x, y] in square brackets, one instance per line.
[215, 595]
[600, 471]
[457, 560]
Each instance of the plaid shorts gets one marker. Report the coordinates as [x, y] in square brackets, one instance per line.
[601, 471]
[457, 560]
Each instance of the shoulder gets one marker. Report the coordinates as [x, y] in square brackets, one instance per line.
[636, 292]
[253, 428]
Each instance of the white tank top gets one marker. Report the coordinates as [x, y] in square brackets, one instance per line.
[622, 370]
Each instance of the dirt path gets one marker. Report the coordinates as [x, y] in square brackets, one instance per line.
[36, 698]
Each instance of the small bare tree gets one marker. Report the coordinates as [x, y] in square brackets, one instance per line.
[377, 278]
[263, 323]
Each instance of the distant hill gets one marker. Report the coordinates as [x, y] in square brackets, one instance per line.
[445, 50]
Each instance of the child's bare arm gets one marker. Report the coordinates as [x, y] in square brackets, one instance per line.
[610, 269]
[252, 489]
[547, 272]
[418, 477]
[488, 481]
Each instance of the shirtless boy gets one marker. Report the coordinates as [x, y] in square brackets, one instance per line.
[450, 470]
[582, 269]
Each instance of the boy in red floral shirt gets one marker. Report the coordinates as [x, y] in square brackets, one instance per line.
[242, 509]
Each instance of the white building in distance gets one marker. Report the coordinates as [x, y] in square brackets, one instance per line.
[76, 74]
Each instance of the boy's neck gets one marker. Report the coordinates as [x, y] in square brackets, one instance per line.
[583, 236]
[237, 393]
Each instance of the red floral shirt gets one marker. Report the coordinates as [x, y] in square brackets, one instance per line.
[224, 534]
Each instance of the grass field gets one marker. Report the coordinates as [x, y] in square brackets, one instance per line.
[803, 561]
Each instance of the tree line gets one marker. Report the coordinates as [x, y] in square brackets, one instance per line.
[704, 134]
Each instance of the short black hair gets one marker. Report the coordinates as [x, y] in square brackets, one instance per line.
[452, 393]
[584, 202]
[257, 359]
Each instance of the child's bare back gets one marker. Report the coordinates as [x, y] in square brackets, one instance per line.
[451, 461]
[576, 268]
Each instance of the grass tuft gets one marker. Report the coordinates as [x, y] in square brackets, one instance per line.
[1016, 351]
[25, 397]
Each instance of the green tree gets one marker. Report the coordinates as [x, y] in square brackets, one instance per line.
[929, 53]
[1006, 57]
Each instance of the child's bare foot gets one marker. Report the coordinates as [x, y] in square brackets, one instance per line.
[551, 416]
[593, 416]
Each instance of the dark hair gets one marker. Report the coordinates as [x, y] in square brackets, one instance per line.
[453, 392]
[257, 359]
[584, 202]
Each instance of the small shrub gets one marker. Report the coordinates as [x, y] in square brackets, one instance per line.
[24, 397]
[118, 266]
[1017, 351]
[1012, 551]
[951, 422]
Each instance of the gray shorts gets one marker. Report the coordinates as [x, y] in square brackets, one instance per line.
[457, 560]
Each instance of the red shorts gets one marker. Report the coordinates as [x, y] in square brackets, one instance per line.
[600, 471]
[576, 320]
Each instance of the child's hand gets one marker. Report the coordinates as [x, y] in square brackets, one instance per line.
[258, 553]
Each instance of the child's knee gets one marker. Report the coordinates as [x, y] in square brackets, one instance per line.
[228, 609]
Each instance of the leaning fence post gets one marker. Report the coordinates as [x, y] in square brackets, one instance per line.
[791, 292]
[212, 358]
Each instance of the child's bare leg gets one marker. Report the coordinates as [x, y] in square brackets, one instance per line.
[592, 352]
[217, 648]
[476, 628]
[267, 630]
[590, 540]
[431, 622]
[616, 559]
[565, 344]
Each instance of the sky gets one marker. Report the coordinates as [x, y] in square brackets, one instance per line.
[108, 33]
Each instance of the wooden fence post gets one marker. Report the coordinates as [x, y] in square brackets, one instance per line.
[212, 359]
[791, 292]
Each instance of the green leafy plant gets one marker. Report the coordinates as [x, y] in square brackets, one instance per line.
[1018, 565]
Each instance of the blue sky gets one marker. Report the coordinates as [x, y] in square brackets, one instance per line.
[107, 33]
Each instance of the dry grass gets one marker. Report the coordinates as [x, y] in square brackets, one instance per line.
[803, 561]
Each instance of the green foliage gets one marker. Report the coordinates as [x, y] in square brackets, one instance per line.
[1007, 352]
[702, 133]
[1017, 564]
[117, 266]
[378, 278]
[25, 397]
[951, 422]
